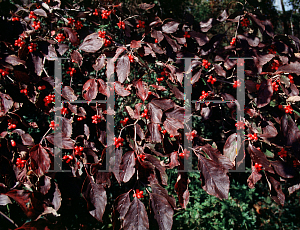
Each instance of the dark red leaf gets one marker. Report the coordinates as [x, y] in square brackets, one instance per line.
[252, 41]
[14, 60]
[172, 43]
[37, 60]
[140, 132]
[293, 67]
[206, 25]
[65, 143]
[114, 162]
[40, 12]
[72, 35]
[265, 93]
[163, 212]
[68, 93]
[62, 48]
[290, 131]
[173, 162]
[170, 27]
[232, 146]
[120, 90]
[219, 70]
[216, 182]
[164, 104]
[135, 44]
[155, 113]
[90, 89]
[223, 16]
[127, 168]
[92, 43]
[283, 169]
[136, 217]
[76, 57]
[146, 6]
[172, 125]
[123, 68]
[40, 160]
[159, 167]
[155, 135]
[157, 35]
[177, 113]
[178, 94]
[142, 90]
[156, 48]
[181, 188]
[260, 158]
[98, 198]
[100, 62]
[103, 88]
[196, 77]
[200, 38]
[276, 191]
[253, 178]
[122, 204]
[268, 130]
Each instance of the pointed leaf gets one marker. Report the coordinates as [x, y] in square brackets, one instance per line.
[170, 27]
[123, 68]
[127, 168]
[90, 89]
[40, 160]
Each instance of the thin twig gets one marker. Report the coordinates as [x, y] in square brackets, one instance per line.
[10, 220]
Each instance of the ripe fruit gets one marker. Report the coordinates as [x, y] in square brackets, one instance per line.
[185, 154]
[258, 167]
[186, 34]
[211, 79]
[131, 58]
[80, 118]
[291, 79]
[253, 137]
[71, 21]
[36, 25]
[237, 84]
[275, 86]
[96, 119]
[68, 158]
[138, 194]
[121, 25]
[20, 163]
[32, 15]
[282, 153]
[60, 37]
[78, 25]
[19, 42]
[288, 109]
[245, 22]
[280, 106]
[233, 40]
[156, 41]
[32, 47]
[24, 91]
[205, 63]
[142, 157]
[13, 143]
[71, 71]
[64, 111]
[118, 142]
[96, 13]
[78, 150]
[53, 125]
[15, 19]
[141, 24]
[240, 125]
[49, 99]
[101, 34]
[105, 14]
[203, 96]
[11, 125]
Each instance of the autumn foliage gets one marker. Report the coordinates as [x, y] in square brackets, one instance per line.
[145, 54]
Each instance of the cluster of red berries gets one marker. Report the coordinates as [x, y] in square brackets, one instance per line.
[4, 72]
[145, 114]
[41, 87]
[253, 137]
[107, 42]
[78, 25]
[291, 79]
[204, 95]
[236, 84]
[25, 91]
[275, 86]
[121, 25]
[124, 122]
[205, 63]
[296, 163]
[186, 34]
[11, 125]
[245, 22]
[60, 37]
[71, 21]
[233, 40]
[78, 150]
[19, 42]
[288, 109]
[13, 143]
[96, 119]
[138, 194]
[15, 19]
[211, 79]
[101, 34]
[282, 153]
[275, 65]
[71, 71]
[49, 99]
[258, 167]
[257, 86]
[142, 156]
[96, 13]
[141, 24]
[68, 158]
[20, 163]
[80, 118]
[118, 142]
[36, 25]
[64, 111]
[162, 131]
[240, 125]
[32, 15]
[131, 58]
[105, 14]
[190, 136]
[53, 125]
[272, 49]
[185, 154]
[32, 47]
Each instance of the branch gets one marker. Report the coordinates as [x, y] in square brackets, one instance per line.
[10, 220]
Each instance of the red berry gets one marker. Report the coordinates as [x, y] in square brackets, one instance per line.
[13, 143]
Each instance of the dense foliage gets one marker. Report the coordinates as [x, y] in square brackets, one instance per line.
[145, 53]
